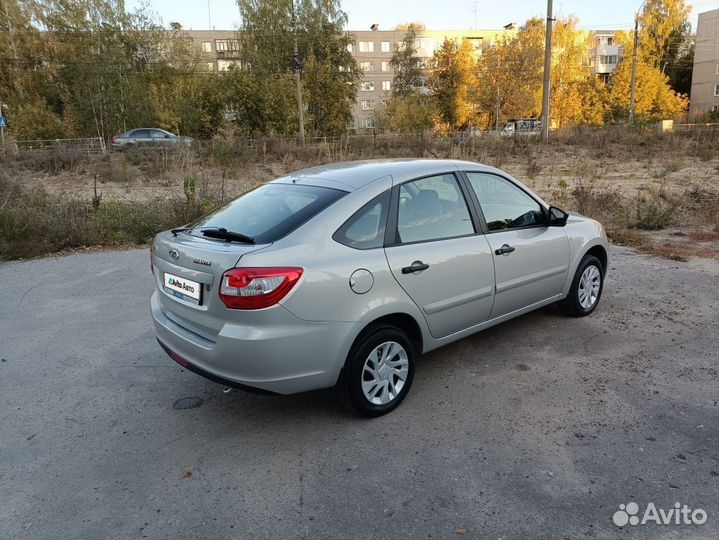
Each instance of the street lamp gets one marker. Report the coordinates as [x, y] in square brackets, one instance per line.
[634, 63]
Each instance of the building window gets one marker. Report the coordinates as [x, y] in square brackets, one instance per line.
[210, 66]
[366, 66]
[206, 46]
[367, 86]
[608, 59]
[386, 85]
[368, 122]
[367, 104]
[385, 46]
[366, 46]
[715, 108]
[385, 66]
[227, 45]
[349, 47]
[717, 68]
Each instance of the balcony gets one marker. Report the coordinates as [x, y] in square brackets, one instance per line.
[228, 55]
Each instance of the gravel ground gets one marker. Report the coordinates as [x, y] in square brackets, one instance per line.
[540, 427]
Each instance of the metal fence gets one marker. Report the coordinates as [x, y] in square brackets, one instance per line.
[85, 146]
[697, 127]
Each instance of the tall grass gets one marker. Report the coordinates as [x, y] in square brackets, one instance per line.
[33, 222]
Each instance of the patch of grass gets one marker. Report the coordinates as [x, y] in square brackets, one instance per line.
[34, 223]
[653, 211]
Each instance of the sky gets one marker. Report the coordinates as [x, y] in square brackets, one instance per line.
[435, 14]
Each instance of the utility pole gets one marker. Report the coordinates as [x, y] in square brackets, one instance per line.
[632, 93]
[298, 82]
[209, 16]
[634, 69]
[547, 74]
[2, 130]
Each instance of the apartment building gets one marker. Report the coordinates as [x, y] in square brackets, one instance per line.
[605, 53]
[373, 51]
[704, 95]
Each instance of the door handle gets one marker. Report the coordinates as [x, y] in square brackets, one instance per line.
[416, 266]
[506, 248]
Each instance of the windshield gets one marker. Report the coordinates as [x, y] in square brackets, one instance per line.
[270, 212]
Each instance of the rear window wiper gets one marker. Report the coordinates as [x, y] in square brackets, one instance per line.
[224, 234]
[179, 230]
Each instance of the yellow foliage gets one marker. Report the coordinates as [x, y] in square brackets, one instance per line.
[654, 98]
[453, 82]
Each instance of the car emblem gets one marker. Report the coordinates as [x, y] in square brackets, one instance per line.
[174, 255]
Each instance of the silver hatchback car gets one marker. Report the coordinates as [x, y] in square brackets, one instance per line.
[342, 275]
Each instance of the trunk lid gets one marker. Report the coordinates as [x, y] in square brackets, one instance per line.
[195, 262]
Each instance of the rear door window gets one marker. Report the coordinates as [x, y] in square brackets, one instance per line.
[271, 211]
[432, 208]
[140, 134]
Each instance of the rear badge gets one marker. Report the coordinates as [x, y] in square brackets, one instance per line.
[174, 255]
[202, 262]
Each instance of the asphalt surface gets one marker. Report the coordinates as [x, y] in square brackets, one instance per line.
[537, 428]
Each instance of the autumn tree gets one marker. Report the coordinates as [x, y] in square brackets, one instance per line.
[654, 98]
[663, 28]
[453, 83]
[509, 74]
[570, 74]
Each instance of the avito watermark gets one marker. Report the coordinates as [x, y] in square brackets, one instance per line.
[679, 515]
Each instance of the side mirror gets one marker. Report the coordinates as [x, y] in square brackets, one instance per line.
[557, 217]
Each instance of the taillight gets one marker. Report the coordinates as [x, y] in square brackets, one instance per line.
[256, 288]
[114, 140]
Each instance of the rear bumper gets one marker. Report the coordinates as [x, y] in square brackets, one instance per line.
[278, 353]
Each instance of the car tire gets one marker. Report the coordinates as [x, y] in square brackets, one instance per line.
[381, 356]
[586, 289]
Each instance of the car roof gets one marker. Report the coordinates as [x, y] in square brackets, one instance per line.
[352, 175]
[146, 129]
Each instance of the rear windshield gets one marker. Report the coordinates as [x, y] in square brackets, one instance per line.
[271, 211]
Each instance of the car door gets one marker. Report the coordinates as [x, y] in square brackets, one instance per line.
[158, 136]
[437, 257]
[531, 259]
[139, 137]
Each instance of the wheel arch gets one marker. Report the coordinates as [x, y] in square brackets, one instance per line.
[399, 319]
[600, 253]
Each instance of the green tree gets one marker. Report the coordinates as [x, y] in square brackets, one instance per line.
[407, 114]
[405, 63]
[258, 105]
[269, 30]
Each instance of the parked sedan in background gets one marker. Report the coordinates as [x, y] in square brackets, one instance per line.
[148, 137]
[344, 274]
